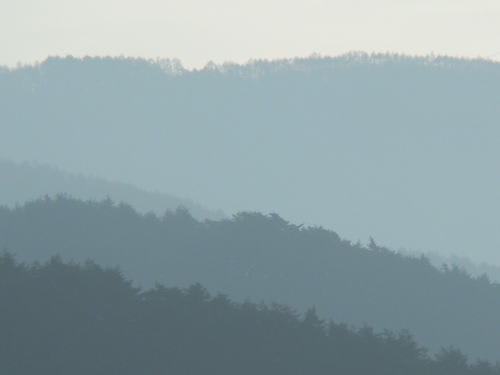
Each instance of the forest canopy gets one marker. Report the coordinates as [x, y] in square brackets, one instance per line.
[260, 257]
[65, 318]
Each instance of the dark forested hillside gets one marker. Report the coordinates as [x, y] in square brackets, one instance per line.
[401, 148]
[25, 182]
[59, 318]
[265, 258]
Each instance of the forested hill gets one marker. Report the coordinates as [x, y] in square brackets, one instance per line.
[388, 146]
[22, 182]
[264, 257]
[61, 318]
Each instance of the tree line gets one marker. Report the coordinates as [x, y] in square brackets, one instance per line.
[68, 318]
[265, 258]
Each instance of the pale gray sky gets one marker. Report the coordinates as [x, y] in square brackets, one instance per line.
[197, 31]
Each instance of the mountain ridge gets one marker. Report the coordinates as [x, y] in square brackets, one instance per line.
[384, 147]
[265, 258]
[109, 327]
[23, 182]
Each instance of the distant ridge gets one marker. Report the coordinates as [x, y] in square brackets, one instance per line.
[475, 269]
[382, 145]
[173, 66]
[23, 182]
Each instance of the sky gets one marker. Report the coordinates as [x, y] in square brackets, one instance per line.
[196, 32]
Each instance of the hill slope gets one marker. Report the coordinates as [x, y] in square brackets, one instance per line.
[70, 319]
[24, 182]
[266, 258]
[386, 146]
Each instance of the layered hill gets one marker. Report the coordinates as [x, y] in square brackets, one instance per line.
[265, 258]
[404, 149]
[59, 318]
[22, 182]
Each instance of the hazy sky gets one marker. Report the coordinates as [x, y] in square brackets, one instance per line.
[197, 31]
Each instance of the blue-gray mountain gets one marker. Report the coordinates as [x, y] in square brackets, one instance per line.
[95, 322]
[24, 182]
[403, 149]
[265, 258]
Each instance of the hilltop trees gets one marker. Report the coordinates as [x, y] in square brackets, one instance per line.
[265, 258]
[61, 318]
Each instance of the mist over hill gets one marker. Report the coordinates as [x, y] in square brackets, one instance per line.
[475, 269]
[404, 149]
[265, 258]
[23, 182]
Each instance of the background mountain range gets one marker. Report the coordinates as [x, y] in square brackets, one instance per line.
[404, 149]
[23, 182]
